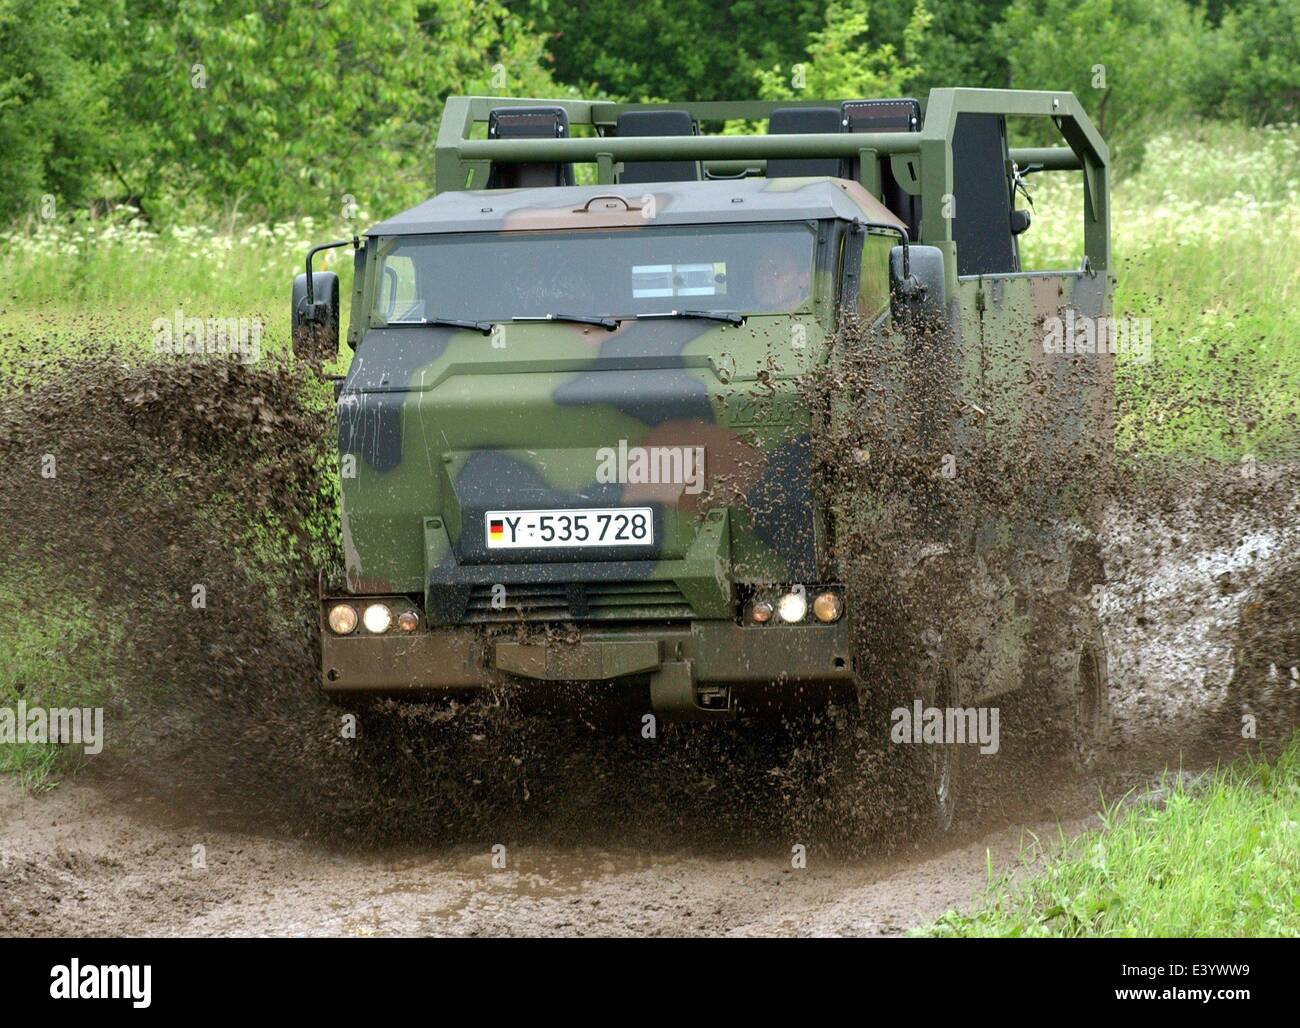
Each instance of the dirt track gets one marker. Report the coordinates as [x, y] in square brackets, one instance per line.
[76, 863]
[91, 858]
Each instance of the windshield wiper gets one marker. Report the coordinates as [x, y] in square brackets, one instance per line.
[476, 326]
[604, 321]
[731, 317]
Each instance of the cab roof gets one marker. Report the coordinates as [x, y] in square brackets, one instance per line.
[719, 201]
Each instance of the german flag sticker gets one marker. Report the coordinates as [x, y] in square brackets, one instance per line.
[496, 530]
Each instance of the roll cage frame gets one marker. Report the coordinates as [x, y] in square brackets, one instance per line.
[921, 161]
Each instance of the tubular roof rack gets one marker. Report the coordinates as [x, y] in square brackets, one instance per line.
[923, 159]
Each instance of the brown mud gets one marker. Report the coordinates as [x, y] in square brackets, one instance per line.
[175, 475]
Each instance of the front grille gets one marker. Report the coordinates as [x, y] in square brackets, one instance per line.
[580, 601]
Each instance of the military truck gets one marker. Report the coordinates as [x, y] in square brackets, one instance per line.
[574, 447]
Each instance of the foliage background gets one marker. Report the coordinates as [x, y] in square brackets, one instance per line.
[241, 111]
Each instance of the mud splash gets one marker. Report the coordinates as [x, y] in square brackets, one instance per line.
[975, 514]
[169, 476]
[180, 508]
[190, 508]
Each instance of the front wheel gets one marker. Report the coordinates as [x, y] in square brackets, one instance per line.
[889, 764]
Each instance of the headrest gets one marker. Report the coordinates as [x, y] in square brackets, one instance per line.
[529, 123]
[657, 123]
[803, 121]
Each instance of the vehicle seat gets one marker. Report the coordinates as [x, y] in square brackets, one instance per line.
[801, 121]
[893, 115]
[529, 123]
[657, 123]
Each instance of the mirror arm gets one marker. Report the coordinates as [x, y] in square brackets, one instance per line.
[898, 230]
[355, 241]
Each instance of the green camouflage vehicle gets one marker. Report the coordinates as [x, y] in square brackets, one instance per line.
[576, 444]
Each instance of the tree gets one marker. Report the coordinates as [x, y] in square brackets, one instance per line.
[54, 122]
[1131, 63]
[843, 62]
[671, 49]
[281, 107]
[1256, 71]
[960, 48]
[265, 107]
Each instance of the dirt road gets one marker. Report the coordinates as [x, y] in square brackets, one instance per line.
[91, 857]
[76, 862]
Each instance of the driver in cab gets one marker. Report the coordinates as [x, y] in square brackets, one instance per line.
[781, 280]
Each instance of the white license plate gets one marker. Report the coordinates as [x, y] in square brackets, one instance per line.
[532, 529]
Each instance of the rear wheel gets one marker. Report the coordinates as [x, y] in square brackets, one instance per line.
[936, 802]
[1073, 681]
[1089, 701]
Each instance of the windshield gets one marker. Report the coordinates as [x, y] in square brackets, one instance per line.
[483, 277]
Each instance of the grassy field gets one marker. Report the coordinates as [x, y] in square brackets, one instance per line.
[1220, 856]
[68, 284]
[49, 660]
[1206, 234]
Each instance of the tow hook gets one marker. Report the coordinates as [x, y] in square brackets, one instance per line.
[675, 694]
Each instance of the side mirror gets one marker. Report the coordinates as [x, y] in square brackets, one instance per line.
[919, 292]
[316, 323]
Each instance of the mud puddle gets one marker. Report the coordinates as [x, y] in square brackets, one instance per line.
[75, 863]
[92, 859]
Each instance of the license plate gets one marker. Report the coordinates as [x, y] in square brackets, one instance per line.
[533, 529]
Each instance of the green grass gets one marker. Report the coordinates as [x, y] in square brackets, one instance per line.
[1220, 858]
[1204, 236]
[50, 660]
[70, 284]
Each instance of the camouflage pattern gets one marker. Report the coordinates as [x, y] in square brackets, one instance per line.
[437, 426]
[442, 400]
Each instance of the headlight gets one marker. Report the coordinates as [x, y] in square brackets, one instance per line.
[342, 619]
[828, 607]
[792, 608]
[761, 612]
[377, 618]
[408, 621]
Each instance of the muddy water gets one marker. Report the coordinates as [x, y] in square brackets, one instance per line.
[103, 856]
[173, 476]
[76, 863]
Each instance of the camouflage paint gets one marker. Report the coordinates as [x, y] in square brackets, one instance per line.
[441, 426]
[434, 419]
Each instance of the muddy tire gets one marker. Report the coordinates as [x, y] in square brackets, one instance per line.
[902, 790]
[937, 767]
[1072, 682]
[1266, 653]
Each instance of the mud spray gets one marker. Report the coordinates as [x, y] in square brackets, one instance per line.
[185, 510]
[973, 511]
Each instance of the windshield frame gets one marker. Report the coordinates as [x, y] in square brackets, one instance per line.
[379, 247]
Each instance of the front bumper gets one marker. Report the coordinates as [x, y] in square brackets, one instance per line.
[688, 666]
